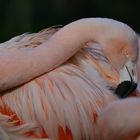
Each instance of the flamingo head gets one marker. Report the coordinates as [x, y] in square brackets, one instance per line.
[122, 51]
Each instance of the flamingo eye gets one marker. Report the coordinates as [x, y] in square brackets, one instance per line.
[126, 54]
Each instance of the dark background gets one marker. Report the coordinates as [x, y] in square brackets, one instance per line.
[19, 16]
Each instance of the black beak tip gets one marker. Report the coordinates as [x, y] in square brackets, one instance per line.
[125, 88]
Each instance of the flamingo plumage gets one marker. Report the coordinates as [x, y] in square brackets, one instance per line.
[41, 100]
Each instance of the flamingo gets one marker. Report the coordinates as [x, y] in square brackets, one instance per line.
[41, 100]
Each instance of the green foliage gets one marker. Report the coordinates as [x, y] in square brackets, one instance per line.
[19, 16]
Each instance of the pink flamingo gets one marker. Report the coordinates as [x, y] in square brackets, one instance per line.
[63, 103]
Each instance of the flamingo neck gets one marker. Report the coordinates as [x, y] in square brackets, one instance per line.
[26, 64]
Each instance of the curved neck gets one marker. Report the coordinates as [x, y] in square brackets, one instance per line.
[67, 41]
[79, 32]
[25, 64]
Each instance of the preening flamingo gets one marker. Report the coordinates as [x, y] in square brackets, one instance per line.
[63, 103]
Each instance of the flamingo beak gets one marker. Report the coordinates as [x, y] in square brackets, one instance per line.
[128, 73]
[128, 80]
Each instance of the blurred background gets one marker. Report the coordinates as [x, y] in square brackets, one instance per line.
[19, 16]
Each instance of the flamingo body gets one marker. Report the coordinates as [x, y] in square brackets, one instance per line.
[62, 104]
